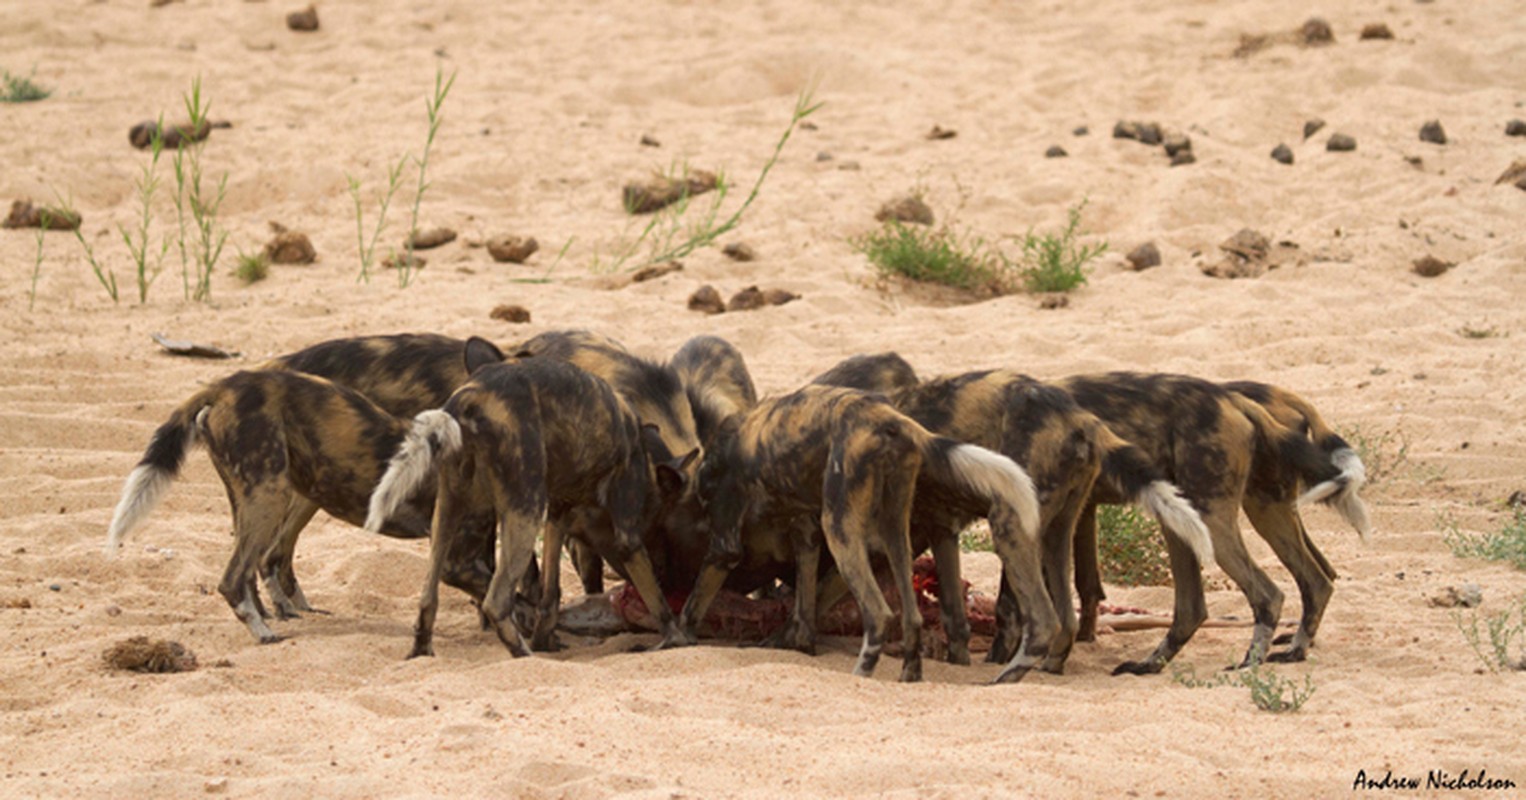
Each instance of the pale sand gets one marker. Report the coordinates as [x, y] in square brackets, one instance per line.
[540, 132]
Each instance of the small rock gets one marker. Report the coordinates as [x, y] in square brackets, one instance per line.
[431, 238]
[739, 251]
[649, 141]
[1340, 143]
[1515, 127]
[1429, 266]
[1124, 129]
[1515, 173]
[55, 587]
[140, 654]
[1144, 256]
[707, 300]
[1053, 300]
[1247, 244]
[175, 136]
[25, 215]
[400, 260]
[216, 785]
[910, 208]
[1312, 127]
[512, 249]
[508, 313]
[849, 166]
[1432, 132]
[289, 247]
[1081, 131]
[1376, 30]
[1282, 154]
[17, 603]
[823, 156]
[113, 610]
[1517, 499]
[1177, 143]
[1182, 158]
[654, 271]
[778, 297]
[1468, 595]
[1316, 32]
[662, 191]
[1150, 133]
[1055, 151]
[747, 300]
[938, 133]
[305, 20]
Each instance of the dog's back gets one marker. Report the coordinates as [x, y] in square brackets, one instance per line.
[402, 373]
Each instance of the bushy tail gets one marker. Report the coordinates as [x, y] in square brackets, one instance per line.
[1128, 473]
[986, 473]
[1332, 470]
[160, 465]
[433, 432]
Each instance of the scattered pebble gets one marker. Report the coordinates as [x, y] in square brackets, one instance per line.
[289, 247]
[1340, 143]
[431, 238]
[938, 133]
[25, 215]
[1429, 266]
[739, 251]
[662, 191]
[216, 785]
[305, 20]
[55, 587]
[1515, 127]
[140, 654]
[778, 297]
[823, 156]
[747, 300]
[1144, 256]
[1053, 300]
[1055, 151]
[1149, 133]
[113, 610]
[1376, 30]
[910, 208]
[1245, 256]
[509, 313]
[512, 249]
[707, 300]
[17, 603]
[655, 271]
[648, 140]
[175, 136]
[1468, 595]
[1177, 143]
[1125, 130]
[1433, 132]
[1312, 127]
[1282, 154]
[1515, 174]
[1182, 158]
[1316, 32]
[1081, 131]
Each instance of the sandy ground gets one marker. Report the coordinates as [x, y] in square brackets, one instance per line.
[541, 130]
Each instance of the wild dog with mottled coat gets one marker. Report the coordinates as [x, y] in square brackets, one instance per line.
[284, 444]
[1224, 450]
[1066, 451]
[715, 378]
[545, 440]
[853, 461]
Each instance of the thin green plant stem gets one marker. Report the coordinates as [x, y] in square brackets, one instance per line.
[147, 185]
[31, 297]
[105, 275]
[545, 277]
[441, 91]
[368, 248]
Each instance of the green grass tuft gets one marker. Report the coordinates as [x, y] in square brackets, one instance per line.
[252, 267]
[1507, 544]
[1130, 548]
[1268, 690]
[935, 255]
[1056, 262]
[1501, 629]
[20, 89]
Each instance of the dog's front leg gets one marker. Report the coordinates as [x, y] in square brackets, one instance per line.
[544, 638]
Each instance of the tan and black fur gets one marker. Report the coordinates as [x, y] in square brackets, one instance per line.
[548, 443]
[853, 462]
[715, 378]
[1223, 450]
[285, 444]
[1065, 449]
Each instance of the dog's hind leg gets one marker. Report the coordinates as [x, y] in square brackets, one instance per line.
[544, 638]
[845, 520]
[276, 564]
[256, 519]
[443, 532]
[1025, 577]
[1188, 615]
[1263, 595]
[951, 611]
[1058, 544]
[1279, 524]
[799, 633]
[893, 516]
[1088, 573]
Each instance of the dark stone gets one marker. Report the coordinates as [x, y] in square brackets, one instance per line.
[432, 238]
[1515, 127]
[1376, 30]
[910, 208]
[1283, 154]
[1312, 127]
[1081, 131]
[1149, 133]
[514, 314]
[707, 300]
[1055, 151]
[1429, 266]
[1183, 158]
[739, 251]
[747, 300]
[25, 215]
[778, 297]
[512, 249]
[1316, 32]
[290, 247]
[1340, 143]
[1433, 132]
[1126, 130]
[1144, 256]
[305, 20]
[1177, 143]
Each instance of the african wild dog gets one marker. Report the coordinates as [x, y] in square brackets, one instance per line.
[715, 377]
[284, 444]
[1224, 449]
[404, 374]
[544, 440]
[853, 461]
[1065, 449]
[654, 392]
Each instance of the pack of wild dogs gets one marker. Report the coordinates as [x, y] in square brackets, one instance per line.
[682, 481]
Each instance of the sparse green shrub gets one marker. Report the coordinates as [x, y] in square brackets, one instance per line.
[1268, 690]
[20, 89]
[1056, 262]
[196, 205]
[1383, 453]
[935, 255]
[1130, 548]
[252, 267]
[1502, 629]
[1507, 544]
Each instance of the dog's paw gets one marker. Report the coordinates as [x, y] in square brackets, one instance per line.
[1283, 638]
[1288, 657]
[1138, 668]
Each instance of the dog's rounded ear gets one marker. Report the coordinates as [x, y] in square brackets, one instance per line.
[651, 441]
[672, 475]
[480, 353]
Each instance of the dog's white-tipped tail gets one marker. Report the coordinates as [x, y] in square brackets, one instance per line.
[145, 485]
[1340, 492]
[1165, 502]
[1000, 478]
[433, 431]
